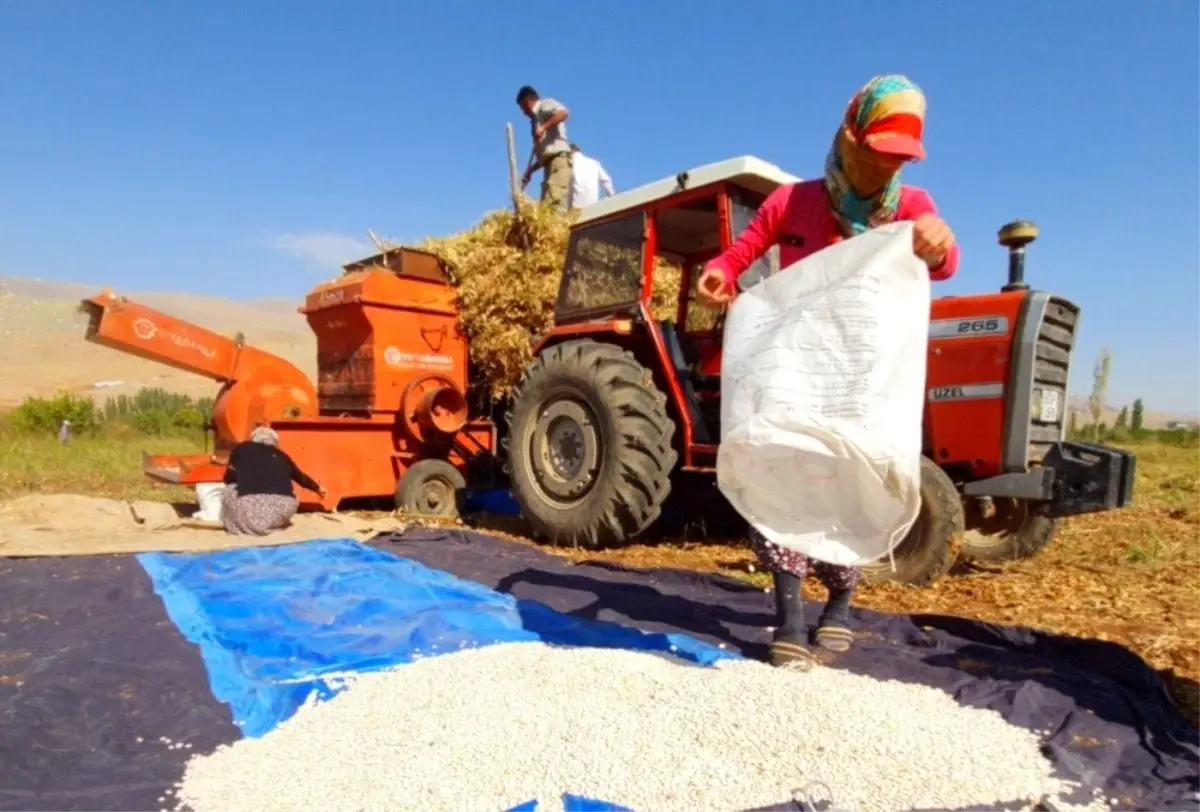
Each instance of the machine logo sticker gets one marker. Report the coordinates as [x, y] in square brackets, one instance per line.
[969, 328]
[145, 329]
[972, 391]
[408, 360]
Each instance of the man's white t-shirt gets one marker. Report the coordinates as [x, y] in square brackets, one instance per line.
[587, 178]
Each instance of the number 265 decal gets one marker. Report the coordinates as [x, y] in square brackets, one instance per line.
[969, 328]
[978, 326]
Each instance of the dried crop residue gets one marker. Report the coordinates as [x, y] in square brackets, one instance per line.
[642, 730]
[507, 271]
[1129, 576]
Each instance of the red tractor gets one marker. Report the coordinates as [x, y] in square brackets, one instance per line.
[617, 402]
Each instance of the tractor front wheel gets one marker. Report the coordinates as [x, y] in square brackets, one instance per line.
[430, 488]
[1014, 529]
[933, 543]
[589, 445]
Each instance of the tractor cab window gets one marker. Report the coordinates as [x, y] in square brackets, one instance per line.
[697, 317]
[688, 234]
[603, 271]
[742, 208]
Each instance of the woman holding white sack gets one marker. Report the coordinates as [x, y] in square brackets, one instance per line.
[860, 190]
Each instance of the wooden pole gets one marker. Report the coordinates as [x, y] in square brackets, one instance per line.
[514, 180]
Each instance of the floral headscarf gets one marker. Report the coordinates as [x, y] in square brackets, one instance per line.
[887, 115]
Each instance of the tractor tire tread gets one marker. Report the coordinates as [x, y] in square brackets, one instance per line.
[635, 480]
[407, 489]
[938, 548]
[1033, 537]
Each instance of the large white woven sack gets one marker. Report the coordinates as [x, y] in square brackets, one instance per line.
[822, 382]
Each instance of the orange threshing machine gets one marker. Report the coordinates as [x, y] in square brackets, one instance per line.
[389, 414]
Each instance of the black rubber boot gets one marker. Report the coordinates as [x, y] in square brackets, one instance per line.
[833, 627]
[788, 643]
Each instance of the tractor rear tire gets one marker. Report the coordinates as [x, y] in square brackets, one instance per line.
[590, 445]
[932, 545]
[430, 488]
[1019, 529]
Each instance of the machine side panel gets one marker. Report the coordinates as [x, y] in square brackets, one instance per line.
[345, 358]
[409, 346]
[969, 360]
[378, 332]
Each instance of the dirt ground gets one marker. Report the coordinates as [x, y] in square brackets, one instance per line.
[70, 524]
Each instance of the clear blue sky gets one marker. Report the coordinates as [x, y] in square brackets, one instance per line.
[230, 147]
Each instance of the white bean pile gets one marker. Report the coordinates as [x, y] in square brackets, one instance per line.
[490, 728]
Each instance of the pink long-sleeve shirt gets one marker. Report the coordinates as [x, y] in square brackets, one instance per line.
[797, 217]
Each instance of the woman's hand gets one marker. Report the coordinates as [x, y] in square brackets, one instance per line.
[712, 290]
[932, 239]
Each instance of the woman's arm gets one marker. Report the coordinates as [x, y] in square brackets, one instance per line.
[758, 237]
[917, 204]
[230, 477]
[302, 479]
[949, 265]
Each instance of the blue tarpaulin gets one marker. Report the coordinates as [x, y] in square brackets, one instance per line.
[273, 622]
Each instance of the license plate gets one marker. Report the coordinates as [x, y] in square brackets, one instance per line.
[1048, 413]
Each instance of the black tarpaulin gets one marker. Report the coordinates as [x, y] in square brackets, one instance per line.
[90, 663]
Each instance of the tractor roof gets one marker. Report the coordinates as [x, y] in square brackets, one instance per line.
[748, 171]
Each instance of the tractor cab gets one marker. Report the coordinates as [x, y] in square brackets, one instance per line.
[632, 265]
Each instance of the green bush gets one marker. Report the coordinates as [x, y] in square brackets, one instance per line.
[190, 418]
[45, 415]
[154, 422]
[148, 412]
[1180, 438]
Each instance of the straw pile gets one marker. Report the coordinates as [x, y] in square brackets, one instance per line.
[507, 272]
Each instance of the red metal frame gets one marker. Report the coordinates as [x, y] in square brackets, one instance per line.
[620, 325]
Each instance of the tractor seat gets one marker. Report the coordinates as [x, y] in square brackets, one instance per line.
[683, 359]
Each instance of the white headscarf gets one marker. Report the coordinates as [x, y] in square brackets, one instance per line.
[265, 435]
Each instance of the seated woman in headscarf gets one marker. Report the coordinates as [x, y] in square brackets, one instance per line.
[258, 494]
[861, 189]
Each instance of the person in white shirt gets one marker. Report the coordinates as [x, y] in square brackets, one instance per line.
[588, 177]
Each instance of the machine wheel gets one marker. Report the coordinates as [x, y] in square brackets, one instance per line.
[932, 545]
[430, 488]
[589, 445]
[1018, 529]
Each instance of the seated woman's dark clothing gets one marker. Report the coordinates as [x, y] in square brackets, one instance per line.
[261, 468]
[258, 496]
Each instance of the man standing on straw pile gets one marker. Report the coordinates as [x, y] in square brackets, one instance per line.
[551, 150]
[588, 177]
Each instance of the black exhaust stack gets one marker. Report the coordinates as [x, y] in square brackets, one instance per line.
[1015, 236]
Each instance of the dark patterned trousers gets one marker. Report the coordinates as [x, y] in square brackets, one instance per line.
[774, 558]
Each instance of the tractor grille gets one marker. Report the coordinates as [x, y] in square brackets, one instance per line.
[1048, 408]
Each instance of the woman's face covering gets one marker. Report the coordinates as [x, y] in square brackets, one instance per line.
[869, 171]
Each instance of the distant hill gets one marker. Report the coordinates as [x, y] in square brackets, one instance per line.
[42, 350]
